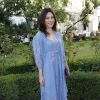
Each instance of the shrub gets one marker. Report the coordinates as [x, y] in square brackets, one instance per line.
[8, 88]
[85, 65]
[81, 85]
[19, 87]
[84, 86]
[20, 60]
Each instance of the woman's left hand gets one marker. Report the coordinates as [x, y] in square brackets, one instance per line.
[67, 71]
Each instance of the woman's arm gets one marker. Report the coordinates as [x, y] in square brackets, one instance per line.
[41, 77]
[38, 55]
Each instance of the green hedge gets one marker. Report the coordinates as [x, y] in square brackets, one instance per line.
[85, 65]
[17, 69]
[19, 87]
[81, 85]
[77, 65]
[84, 86]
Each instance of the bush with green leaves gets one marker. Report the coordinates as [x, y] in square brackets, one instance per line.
[84, 86]
[20, 60]
[81, 86]
[19, 87]
[85, 65]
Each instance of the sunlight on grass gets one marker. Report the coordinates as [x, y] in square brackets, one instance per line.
[82, 50]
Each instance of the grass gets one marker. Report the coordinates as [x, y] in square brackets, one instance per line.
[22, 54]
[82, 49]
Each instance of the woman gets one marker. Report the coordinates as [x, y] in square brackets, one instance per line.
[50, 58]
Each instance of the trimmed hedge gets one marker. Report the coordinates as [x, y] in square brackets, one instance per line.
[77, 65]
[81, 85]
[84, 86]
[17, 69]
[19, 87]
[85, 65]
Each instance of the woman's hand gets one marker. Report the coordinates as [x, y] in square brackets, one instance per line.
[68, 73]
[41, 80]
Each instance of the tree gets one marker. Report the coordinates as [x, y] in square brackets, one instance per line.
[31, 8]
[85, 12]
[84, 16]
[96, 3]
[57, 7]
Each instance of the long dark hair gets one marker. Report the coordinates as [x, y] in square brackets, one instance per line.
[41, 20]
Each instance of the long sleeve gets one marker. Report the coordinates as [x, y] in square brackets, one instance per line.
[37, 49]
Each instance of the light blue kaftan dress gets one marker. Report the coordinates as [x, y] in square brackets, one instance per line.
[50, 57]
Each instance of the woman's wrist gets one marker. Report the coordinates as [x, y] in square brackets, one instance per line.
[40, 72]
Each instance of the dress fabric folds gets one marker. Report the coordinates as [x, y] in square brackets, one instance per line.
[50, 57]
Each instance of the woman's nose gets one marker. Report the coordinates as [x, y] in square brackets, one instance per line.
[50, 19]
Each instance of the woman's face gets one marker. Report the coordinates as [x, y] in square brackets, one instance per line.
[49, 20]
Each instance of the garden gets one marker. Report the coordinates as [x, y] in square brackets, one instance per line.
[19, 74]
[18, 71]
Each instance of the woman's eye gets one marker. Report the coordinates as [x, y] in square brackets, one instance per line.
[50, 17]
[47, 17]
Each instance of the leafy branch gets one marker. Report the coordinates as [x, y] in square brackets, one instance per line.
[90, 11]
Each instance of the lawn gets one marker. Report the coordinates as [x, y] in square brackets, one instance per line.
[81, 50]
[17, 74]
[22, 53]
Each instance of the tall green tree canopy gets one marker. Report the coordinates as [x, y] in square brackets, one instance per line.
[30, 9]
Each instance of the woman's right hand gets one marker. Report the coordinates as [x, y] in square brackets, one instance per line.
[41, 80]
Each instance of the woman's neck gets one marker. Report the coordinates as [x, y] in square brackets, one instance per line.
[50, 31]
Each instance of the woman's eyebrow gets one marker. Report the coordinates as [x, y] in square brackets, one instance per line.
[50, 17]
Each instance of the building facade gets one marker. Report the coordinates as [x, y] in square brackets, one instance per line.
[75, 8]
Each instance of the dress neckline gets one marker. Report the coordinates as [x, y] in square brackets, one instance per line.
[54, 40]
